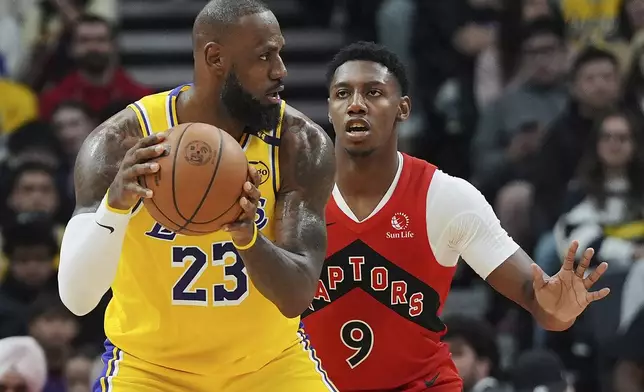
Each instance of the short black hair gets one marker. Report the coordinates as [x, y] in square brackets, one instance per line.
[28, 166]
[93, 18]
[49, 306]
[477, 333]
[591, 54]
[218, 15]
[29, 234]
[35, 134]
[370, 51]
[541, 26]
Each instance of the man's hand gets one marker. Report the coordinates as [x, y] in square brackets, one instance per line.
[125, 190]
[565, 295]
[243, 229]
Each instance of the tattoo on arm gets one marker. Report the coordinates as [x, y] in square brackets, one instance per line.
[100, 157]
[308, 174]
[287, 271]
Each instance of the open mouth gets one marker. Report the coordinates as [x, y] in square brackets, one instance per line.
[274, 95]
[357, 129]
[357, 125]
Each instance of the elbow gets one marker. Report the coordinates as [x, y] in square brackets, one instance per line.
[294, 305]
[292, 312]
[77, 303]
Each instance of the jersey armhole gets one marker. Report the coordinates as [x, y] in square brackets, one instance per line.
[141, 116]
[275, 156]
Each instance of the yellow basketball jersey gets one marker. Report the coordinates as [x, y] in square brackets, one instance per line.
[186, 302]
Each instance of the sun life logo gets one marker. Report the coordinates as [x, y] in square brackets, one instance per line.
[400, 221]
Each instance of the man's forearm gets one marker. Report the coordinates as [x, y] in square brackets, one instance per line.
[284, 277]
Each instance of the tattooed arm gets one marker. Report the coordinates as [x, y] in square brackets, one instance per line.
[287, 271]
[111, 157]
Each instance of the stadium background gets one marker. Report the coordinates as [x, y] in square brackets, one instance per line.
[510, 94]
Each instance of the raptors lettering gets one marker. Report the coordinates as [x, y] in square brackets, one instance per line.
[378, 280]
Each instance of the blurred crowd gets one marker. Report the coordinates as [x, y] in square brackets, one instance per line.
[539, 103]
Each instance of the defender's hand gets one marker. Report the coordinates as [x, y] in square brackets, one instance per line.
[243, 228]
[567, 294]
[125, 190]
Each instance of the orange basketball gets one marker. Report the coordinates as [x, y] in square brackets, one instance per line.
[197, 188]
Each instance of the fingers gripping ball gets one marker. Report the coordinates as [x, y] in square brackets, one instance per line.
[197, 187]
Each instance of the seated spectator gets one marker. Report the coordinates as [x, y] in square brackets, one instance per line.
[99, 79]
[473, 346]
[31, 250]
[536, 371]
[511, 128]
[22, 365]
[55, 328]
[610, 217]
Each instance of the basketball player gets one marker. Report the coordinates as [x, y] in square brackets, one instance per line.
[396, 228]
[218, 312]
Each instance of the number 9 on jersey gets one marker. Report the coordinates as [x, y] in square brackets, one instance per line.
[358, 336]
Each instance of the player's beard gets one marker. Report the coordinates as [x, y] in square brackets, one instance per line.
[244, 107]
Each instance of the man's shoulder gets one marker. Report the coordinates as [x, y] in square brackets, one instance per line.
[298, 128]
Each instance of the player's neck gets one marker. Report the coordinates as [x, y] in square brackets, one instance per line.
[366, 176]
[195, 106]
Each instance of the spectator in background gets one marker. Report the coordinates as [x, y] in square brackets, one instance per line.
[23, 367]
[32, 190]
[539, 371]
[99, 79]
[72, 122]
[510, 130]
[30, 249]
[78, 372]
[447, 38]
[55, 328]
[595, 90]
[610, 217]
[473, 346]
[33, 142]
[498, 66]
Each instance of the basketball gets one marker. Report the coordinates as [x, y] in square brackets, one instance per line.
[197, 188]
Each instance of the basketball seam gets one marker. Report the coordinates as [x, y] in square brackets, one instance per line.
[174, 170]
[145, 184]
[212, 178]
[205, 232]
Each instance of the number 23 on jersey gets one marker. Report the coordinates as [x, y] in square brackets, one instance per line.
[195, 260]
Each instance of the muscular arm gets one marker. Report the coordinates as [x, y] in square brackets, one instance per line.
[90, 252]
[287, 271]
[513, 279]
[472, 230]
